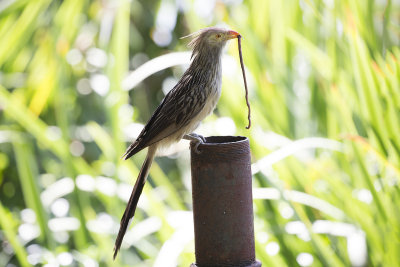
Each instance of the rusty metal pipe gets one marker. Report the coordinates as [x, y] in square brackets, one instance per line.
[223, 203]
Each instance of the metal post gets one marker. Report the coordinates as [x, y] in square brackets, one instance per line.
[223, 203]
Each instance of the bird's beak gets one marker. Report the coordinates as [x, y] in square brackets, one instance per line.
[233, 34]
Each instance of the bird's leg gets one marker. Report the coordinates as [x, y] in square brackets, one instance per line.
[196, 136]
[198, 139]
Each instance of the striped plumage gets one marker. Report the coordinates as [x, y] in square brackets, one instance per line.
[192, 99]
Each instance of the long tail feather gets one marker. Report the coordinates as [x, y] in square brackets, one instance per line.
[133, 200]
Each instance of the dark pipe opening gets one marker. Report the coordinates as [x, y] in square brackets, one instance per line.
[224, 139]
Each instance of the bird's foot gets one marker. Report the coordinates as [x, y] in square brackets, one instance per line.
[198, 139]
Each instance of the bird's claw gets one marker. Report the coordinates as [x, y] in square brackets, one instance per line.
[196, 147]
[202, 138]
[198, 139]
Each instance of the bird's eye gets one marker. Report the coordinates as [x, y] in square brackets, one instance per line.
[218, 35]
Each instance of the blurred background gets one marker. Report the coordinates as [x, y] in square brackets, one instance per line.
[79, 78]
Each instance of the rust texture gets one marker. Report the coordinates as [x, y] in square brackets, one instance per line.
[222, 203]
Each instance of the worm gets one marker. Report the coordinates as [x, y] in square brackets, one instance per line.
[245, 81]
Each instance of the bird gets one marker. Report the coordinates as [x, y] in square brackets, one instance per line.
[192, 99]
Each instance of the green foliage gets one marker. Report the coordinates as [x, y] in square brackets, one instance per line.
[324, 82]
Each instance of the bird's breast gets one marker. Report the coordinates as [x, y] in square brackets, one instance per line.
[213, 93]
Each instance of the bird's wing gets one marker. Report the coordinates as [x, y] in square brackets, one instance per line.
[174, 112]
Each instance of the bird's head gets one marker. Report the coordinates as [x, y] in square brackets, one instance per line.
[211, 38]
